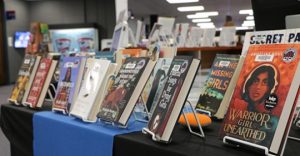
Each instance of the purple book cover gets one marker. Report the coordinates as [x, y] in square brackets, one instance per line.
[69, 72]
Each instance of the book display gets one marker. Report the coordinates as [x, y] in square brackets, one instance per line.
[263, 102]
[160, 78]
[123, 94]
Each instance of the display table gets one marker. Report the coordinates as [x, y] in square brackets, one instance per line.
[16, 124]
[59, 135]
[185, 144]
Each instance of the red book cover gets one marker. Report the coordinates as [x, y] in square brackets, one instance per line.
[38, 82]
[263, 98]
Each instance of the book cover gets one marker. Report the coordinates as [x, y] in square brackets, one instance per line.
[106, 55]
[69, 75]
[174, 83]
[23, 78]
[181, 31]
[38, 81]
[93, 82]
[155, 84]
[264, 96]
[219, 77]
[122, 89]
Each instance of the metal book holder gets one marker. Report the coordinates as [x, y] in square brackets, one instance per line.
[199, 134]
[238, 143]
[144, 111]
[202, 111]
[13, 101]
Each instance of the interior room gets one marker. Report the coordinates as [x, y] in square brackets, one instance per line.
[155, 77]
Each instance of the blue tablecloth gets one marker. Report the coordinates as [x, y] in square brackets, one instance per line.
[59, 135]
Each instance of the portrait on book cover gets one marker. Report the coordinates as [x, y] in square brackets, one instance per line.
[259, 87]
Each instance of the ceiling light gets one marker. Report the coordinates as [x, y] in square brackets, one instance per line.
[250, 18]
[190, 8]
[248, 24]
[201, 20]
[249, 12]
[196, 16]
[212, 13]
[181, 1]
[206, 25]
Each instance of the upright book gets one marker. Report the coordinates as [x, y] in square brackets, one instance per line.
[181, 74]
[155, 84]
[263, 101]
[41, 83]
[71, 72]
[25, 77]
[122, 96]
[216, 85]
[93, 90]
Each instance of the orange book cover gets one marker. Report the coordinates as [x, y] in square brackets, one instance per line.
[263, 98]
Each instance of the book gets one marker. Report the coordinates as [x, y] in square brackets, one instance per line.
[263, 101]
[25, 77]
[92, 90]
[154, 85]
[181, 75]
[122, 96]
[181, 30]
[71, 72]
[227, 36]
[261, 38]
[216, 85]
[208, 36]
[41, 83]
[106, 55]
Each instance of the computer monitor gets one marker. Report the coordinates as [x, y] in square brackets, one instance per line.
[21, 39]
[271, 14]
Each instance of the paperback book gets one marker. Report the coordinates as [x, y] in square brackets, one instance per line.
[174, 94]
[216, 85]
[122, 96]
[263, 101]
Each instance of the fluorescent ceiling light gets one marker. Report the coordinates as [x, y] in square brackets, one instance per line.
[196, 16]
[181, 1]
[248, 24]
[206, 25]
[190, 8]
[212, 13]
[249, 12]
[250, 18]
[201, 20]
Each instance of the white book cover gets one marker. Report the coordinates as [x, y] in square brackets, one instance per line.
[227, 36]
[181, 33]
[208, 37]
[194, 36]
[89, 90]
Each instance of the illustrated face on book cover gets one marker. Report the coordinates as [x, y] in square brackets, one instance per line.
[260, 86]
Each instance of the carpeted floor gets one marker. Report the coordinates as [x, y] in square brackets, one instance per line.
[4, 144]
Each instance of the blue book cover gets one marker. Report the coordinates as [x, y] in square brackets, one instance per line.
[69, 75]
[106, 55]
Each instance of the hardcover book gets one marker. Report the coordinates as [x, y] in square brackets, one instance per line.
[71, 72]
[92, 90]
[216, 85]
[264, 98]
[41, 83]
[155, 84]
[25, 76]
[174, 94]
[122, 96]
